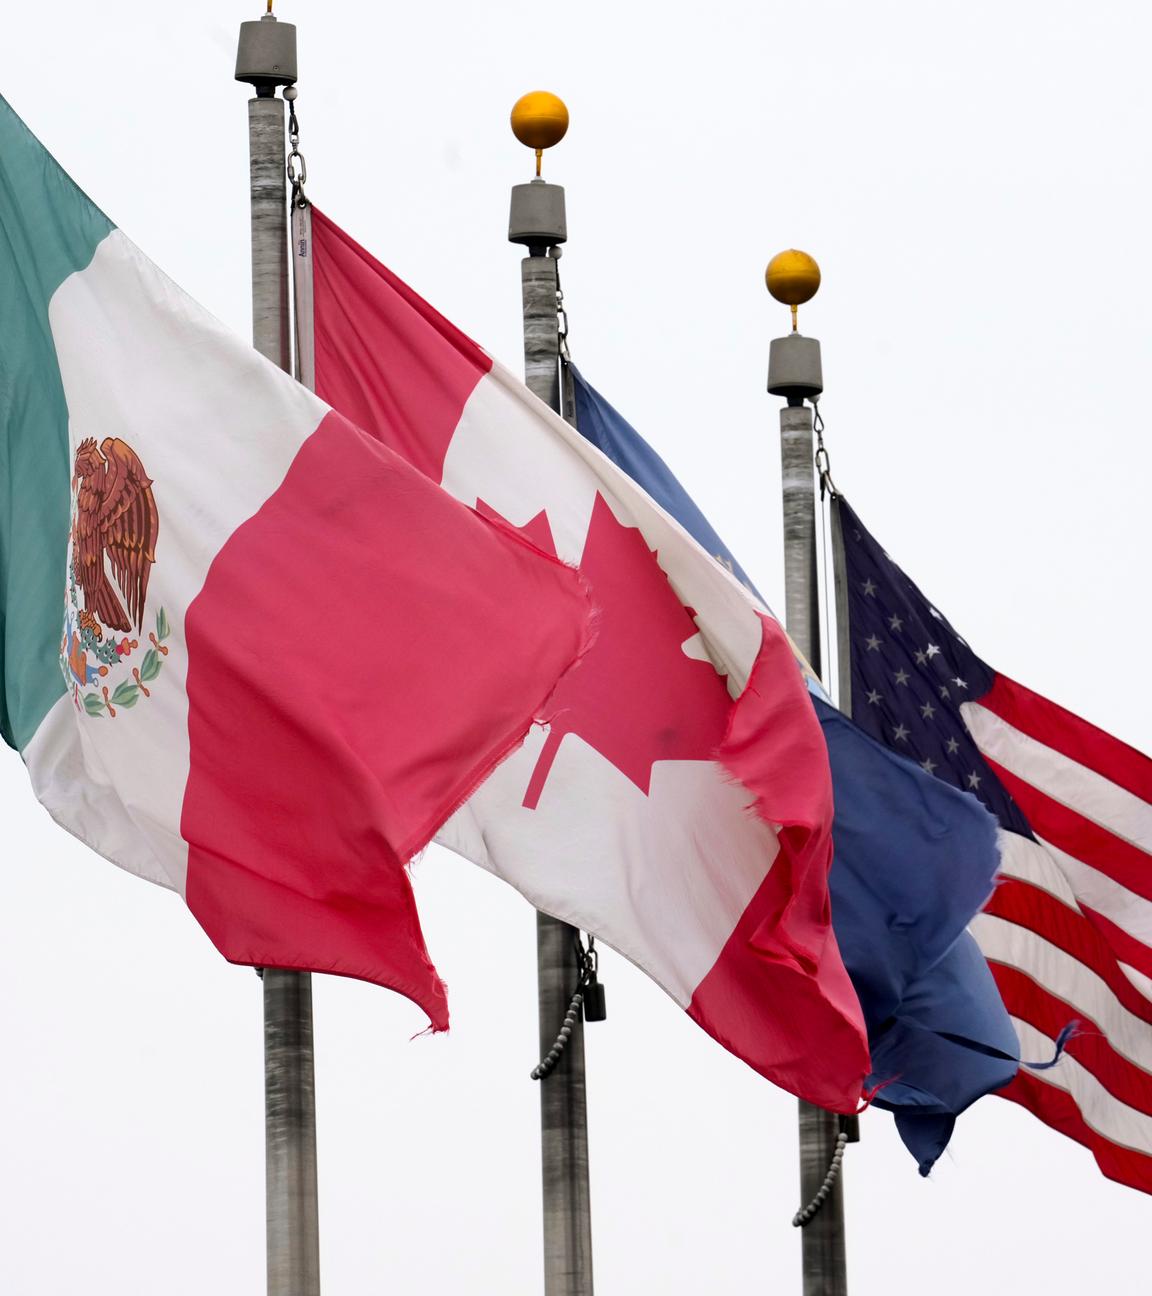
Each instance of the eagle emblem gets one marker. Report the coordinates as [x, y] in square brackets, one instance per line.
[115, 519]
[115, 526]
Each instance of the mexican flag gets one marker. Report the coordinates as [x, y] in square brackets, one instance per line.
[246, 651]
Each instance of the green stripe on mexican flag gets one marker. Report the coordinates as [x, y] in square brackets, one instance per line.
[246, 652]
[48, 231]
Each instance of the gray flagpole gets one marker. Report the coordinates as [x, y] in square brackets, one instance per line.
[538, 222]
[266, 59]
[794, 372]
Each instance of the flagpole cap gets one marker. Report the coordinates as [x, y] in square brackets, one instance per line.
[793, 277]
[266, 54]
[539, 121]
[794, 368]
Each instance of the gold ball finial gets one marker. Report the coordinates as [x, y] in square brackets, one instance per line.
[792, 278]
[539, 120]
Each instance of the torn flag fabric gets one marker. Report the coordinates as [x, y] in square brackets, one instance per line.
[678, 806]
[914, 860]
[246, 651]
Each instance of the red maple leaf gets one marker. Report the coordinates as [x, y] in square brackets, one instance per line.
[636, 697]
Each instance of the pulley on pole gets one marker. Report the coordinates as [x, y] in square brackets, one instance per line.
[794, 372]
[537, 221]
[266, 60]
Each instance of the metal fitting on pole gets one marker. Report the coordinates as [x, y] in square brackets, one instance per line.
[794, 370]
[537, 219]
[266, 54]
[794, 361]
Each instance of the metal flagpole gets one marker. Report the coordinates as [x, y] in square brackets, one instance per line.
[538, 222]
[266, 59]
[794, 372]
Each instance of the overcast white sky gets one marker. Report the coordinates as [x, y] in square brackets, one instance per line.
[974, 181]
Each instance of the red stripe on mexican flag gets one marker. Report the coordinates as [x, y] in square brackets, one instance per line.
[251, 654]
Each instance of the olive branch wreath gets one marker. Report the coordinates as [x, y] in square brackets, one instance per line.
[128, 692]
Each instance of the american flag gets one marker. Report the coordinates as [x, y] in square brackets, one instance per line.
[1068, 930]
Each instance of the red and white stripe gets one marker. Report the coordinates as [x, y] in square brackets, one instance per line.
[1068, 932]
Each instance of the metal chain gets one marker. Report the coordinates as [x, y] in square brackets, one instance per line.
[296, 167]
[561, 313]
[823, 459]
[567, 386]
[807, 1214]
[588, 959]
[827, 488]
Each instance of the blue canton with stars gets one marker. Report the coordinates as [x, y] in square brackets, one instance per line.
[911, 672]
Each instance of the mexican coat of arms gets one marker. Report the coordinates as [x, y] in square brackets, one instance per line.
[112, 548]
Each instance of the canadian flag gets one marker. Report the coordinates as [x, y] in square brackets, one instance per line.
[677, 803]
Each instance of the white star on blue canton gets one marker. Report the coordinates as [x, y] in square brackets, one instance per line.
[953, 746]
[870, 587]
[931, 650]
[900, 734]
[959, 682]
[928, 766]
[973, 781]
[895, 622]
[921, 659]
[944, 692]
[873, 643]
[874, 697]
[927, 710]
[902, 676]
